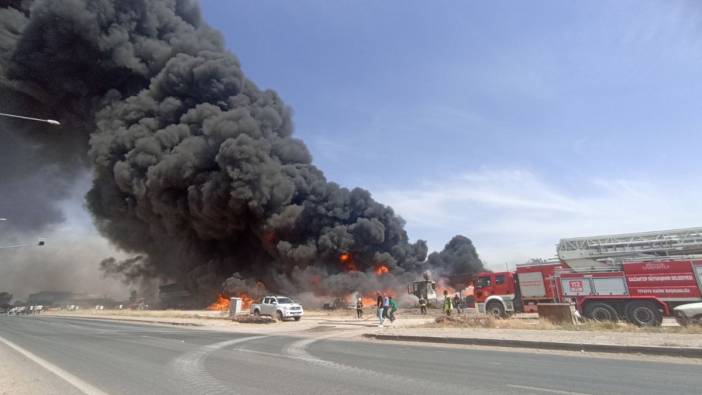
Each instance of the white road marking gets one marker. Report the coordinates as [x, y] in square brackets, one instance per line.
[81, 385]
[547, 390]
[191, 367]
[298, 350]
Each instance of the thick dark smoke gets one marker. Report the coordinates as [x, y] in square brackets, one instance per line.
[458, 261]
[38, 164]
[195, 168]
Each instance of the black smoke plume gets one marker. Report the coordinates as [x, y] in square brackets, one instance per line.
[457, 262]
[195, 168]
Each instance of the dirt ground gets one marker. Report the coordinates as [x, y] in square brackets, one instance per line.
[409, 322]
[340, 319]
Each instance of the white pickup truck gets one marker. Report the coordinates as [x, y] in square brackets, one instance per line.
[280, 307]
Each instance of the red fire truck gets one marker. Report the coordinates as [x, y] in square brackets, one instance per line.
[639, 277]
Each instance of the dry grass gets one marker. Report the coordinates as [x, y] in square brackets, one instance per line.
[194, 314]
[252, 319]
[538, 324]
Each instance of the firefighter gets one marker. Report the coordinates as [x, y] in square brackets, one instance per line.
[447, 303]
[359, 308]
[423, 306]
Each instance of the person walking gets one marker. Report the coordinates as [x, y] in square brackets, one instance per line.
[386, 307]
[359, 308]
[423, 306]
[447, 303]
[380, 303]
[393, 309]
[457, 304]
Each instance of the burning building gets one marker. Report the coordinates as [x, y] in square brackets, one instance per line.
[196, 170]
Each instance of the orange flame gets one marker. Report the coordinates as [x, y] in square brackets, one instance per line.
[370, 299]
[246, 300]
[347, 261]
[221, 304]
[381, 269]
[470, 290]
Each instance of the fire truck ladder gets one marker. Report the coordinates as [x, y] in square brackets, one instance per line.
[604, 252]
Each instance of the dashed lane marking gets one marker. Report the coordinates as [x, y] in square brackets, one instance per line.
[546, 390]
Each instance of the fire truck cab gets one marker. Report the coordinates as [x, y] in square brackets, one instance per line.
[505, 293]
[495, 293]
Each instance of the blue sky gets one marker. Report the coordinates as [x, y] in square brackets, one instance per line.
[514, 123]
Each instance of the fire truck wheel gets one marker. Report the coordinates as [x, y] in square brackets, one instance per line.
[601, 312]
[279, 315]
[643, 313]
[495, 309]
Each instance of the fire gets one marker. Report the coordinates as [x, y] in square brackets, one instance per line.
[368, 301]
[470, 290]
[346, 260]
[443, 286]
[246, 300]
[221, 304]
[381, 269]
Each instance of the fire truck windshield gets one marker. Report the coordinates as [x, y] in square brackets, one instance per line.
[482, 282]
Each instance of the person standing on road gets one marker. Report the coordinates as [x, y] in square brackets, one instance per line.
[447, 303]
[393, 309]
[359, 308]
[380, 303]
[423, 306]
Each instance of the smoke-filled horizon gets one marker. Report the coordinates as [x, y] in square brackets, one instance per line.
[196, 171]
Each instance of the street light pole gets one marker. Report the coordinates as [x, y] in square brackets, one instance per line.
[49, 121]
[39, 244]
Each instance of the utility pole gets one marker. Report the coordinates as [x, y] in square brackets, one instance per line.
[49, 121]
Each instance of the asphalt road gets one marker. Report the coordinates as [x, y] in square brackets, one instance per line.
[125, 358]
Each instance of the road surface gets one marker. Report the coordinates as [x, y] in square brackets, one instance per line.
[93, 356]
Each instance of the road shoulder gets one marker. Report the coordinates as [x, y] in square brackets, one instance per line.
[21, 376]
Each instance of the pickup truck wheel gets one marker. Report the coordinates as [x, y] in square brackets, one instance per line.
[257, 313]
[601, 312]
[643, 313]
[279, 315]
[297, 318]
[495, 309]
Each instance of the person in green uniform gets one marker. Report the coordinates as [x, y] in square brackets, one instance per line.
[448, 306]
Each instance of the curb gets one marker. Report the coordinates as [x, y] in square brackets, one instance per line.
[605, 348]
